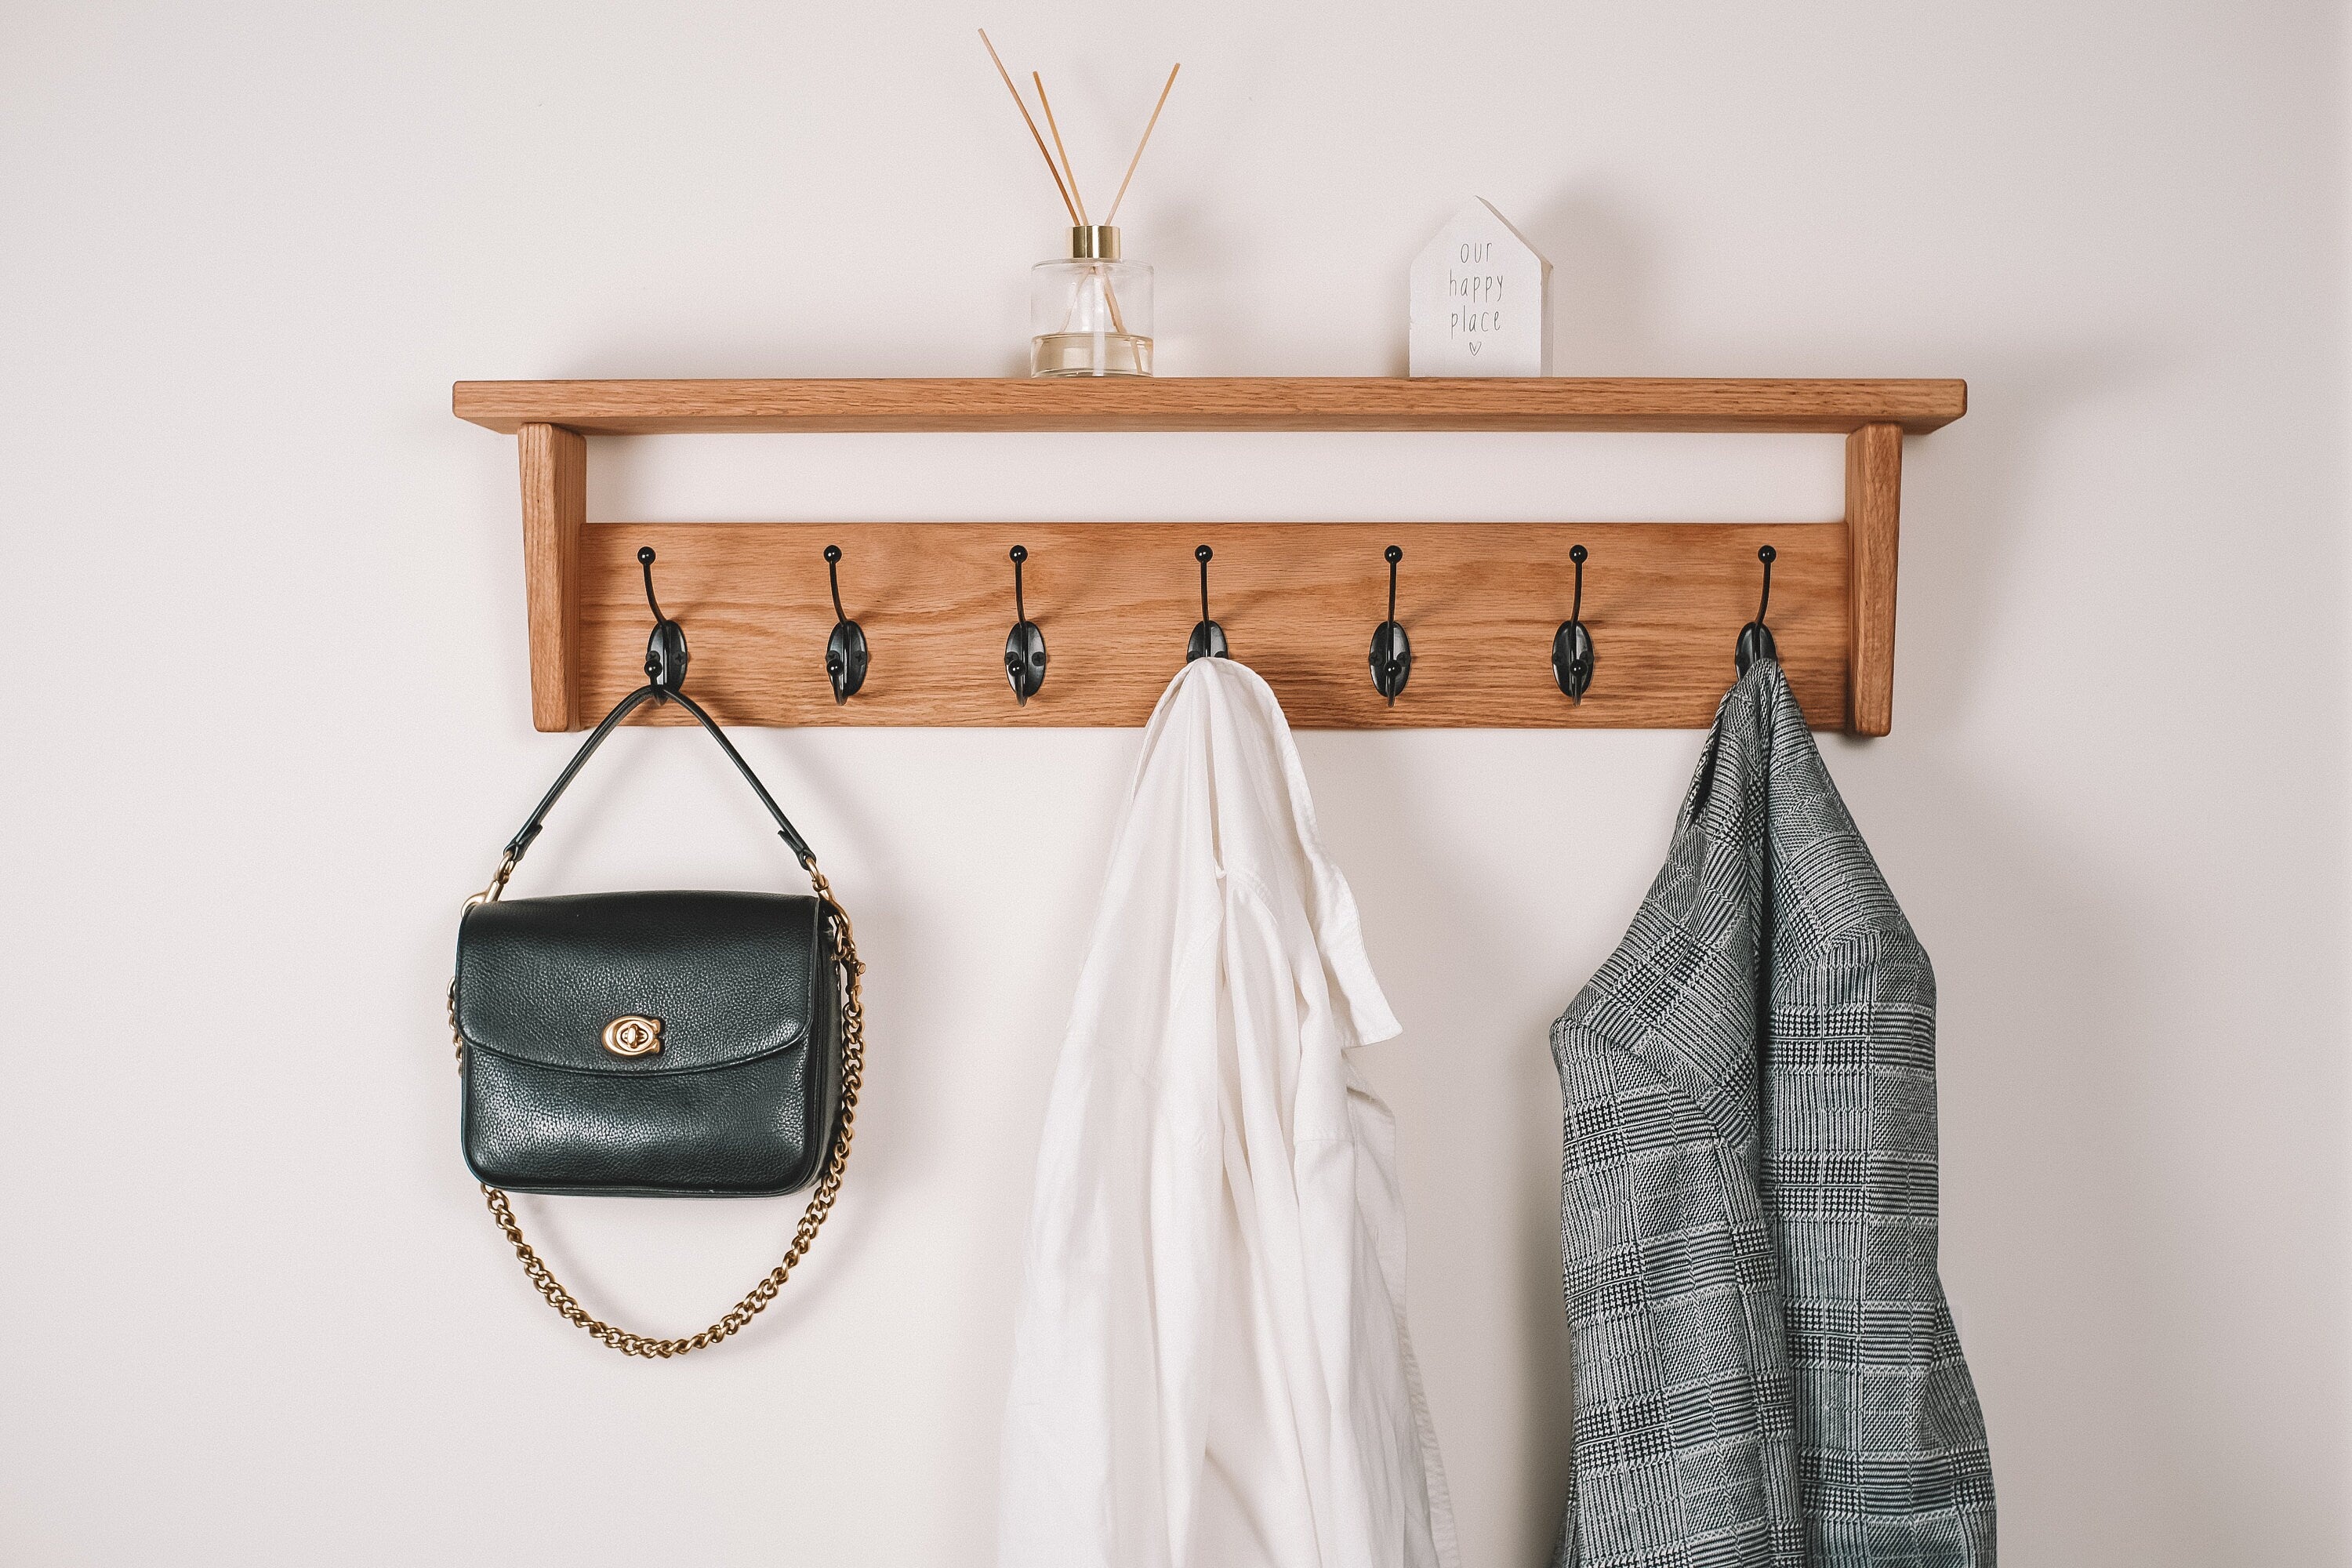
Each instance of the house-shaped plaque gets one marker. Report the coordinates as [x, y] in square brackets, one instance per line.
[1480, 300]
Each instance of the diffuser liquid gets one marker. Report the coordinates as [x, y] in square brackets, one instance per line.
[1089, 353]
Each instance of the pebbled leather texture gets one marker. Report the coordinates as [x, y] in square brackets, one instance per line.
[739, 1101]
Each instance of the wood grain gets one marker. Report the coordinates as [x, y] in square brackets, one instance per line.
[554, 505]
[1873, 493]
[1665, 604]
[1253, 402]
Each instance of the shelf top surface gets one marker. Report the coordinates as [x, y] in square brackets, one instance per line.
[1212, 403]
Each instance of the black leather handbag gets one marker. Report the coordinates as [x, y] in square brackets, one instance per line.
[669, 1044]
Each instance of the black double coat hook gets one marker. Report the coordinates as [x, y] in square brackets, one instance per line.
[1391, 654]
[845, 651]
[1572, 646]
[1756, 638]
[1025, 645]
[665, 649]
[1208, 638]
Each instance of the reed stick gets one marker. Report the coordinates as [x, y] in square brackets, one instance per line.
[1139, 146]
[1023, 105]
[1053, 127]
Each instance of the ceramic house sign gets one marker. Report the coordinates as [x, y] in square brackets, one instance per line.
[1480, 300]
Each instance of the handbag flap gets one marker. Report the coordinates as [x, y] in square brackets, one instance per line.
[640, 983]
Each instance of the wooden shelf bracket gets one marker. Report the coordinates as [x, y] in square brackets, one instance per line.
[554, 507]
[1873, 495]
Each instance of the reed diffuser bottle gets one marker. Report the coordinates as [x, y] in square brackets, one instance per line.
[1090, 315]
[1090, 312]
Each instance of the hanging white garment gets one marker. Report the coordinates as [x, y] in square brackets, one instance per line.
[1212, 1369]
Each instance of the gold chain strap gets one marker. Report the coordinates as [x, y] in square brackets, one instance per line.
[849, 972]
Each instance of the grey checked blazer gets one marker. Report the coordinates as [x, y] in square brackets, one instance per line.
[1766, 1372]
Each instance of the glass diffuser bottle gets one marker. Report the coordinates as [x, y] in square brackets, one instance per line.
[1090, 313]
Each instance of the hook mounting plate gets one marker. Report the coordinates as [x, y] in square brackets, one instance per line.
[846, 661]
[1392, 660]
[1024, 660]
[1207, 641]
[1572, 659]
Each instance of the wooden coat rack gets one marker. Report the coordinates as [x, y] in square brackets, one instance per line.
[1662, 601]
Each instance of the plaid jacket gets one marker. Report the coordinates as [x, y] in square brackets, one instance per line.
[1766, 1372]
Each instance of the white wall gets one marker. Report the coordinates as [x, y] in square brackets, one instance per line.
[271, 721]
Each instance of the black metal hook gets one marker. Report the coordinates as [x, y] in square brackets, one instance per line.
[665, 649]
[1756, 638]
[844, 652]
[1208, 638]
[1025, 645]
[1391, 654]
[1572, 646]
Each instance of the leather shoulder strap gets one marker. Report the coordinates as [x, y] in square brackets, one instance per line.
[627, 705]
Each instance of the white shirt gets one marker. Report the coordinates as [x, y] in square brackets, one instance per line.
[1212, 1369]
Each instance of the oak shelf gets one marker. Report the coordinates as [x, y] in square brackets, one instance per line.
[1212, 403]
[1300, 600]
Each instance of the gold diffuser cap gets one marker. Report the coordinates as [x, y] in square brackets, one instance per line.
[1094, 242]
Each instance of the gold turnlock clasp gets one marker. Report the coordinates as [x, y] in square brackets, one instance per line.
[633, 1034]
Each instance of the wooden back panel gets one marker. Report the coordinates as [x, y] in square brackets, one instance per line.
[1299, 601]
